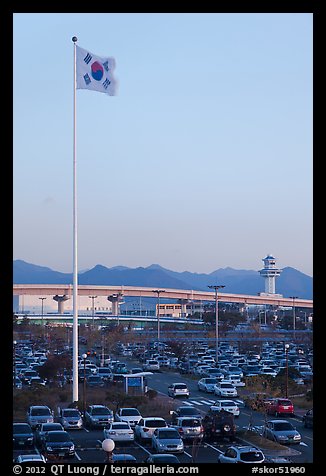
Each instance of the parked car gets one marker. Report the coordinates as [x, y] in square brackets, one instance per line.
[123, 458]
[36, 381]
[206, 384]
[308, 419]
[17, 383]
[151, 366]
[42, 429]
[58, 444]
[178, 389]
[235, 380]
[30, 458]
[184, 411]
[167, 440]
[146, 427]
[129, 415]
[70, 418]
[162, 459]
[105, 373]
[279, 406]
[136, 370]
[241, 454]
[227, 405]
[37, 414]
[189, 428]
[213, 372]
[22, 435]
[94, 381]
[119, 431]
[225, 389]
[281, 431]
[219, 424]
[98, 416]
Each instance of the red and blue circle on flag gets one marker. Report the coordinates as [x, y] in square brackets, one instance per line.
[97, 71]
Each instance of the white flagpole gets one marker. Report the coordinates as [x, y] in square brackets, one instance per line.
[75, 267]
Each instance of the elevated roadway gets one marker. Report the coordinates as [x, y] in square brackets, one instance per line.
[137, 291]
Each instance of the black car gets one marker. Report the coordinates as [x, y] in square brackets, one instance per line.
[219, 424]
[58, 444]
[308, 419]
[43, 429]
[22, 435]
[185, 411]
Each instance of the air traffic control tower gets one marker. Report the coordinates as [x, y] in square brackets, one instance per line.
[270, 272]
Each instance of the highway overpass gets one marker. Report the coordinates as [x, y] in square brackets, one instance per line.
[175, 294]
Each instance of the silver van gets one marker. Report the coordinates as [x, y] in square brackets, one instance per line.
[37, 414]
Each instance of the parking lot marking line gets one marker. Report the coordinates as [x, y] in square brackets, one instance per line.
[213, 447]
[77, 456]
[188, 454]
[211, 401]
[195, 402]
[187, 403]
[205, 402]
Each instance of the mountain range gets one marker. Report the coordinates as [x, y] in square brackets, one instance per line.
[291, 282]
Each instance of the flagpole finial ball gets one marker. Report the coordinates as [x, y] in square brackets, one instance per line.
[74, 39]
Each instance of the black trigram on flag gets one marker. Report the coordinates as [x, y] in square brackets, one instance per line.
[87, 79]
[106, 65]
[88, 58]
[106, 83]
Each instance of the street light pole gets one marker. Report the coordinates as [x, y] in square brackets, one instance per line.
[216, 287]
[84, 356]
[287, 370]
[42, 298]
[293, 307]
[92, 298]
[14, 362]
[158, 292]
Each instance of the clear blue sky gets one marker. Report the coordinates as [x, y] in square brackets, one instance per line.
[202, 161]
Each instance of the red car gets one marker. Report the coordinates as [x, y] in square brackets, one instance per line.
[279, 406]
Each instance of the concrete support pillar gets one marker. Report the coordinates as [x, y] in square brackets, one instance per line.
[115, 299]
[60, 300]
[183, 303]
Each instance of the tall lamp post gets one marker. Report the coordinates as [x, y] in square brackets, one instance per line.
[42, 298]
[216, 287]
[92, 298]
[14, 362]
[287, 370]
[158, 292]
[293, 308]
[84, 356]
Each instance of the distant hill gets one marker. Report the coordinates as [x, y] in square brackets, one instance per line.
[291, 282]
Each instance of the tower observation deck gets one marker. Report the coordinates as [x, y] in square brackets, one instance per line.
[270, 272]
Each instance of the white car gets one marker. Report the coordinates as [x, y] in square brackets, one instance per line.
[129, 415]
[30, 458]
[235, 380]
[241, 454]
[151, 365]
[119, 431]
[206, 384]
[227, 405]
[268, 371]
[146, 427]
[178, 389]
[225, 389]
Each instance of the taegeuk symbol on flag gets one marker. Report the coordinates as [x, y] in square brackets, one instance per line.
[95, 73]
